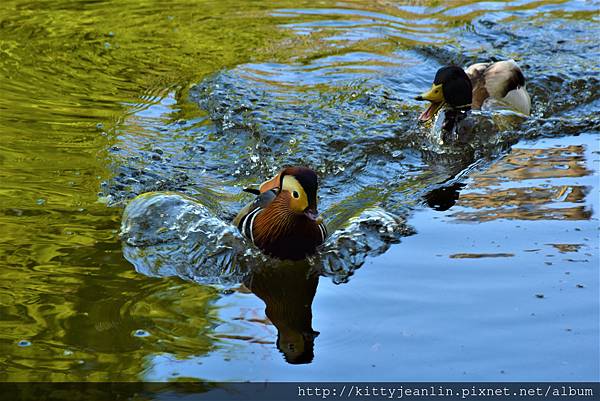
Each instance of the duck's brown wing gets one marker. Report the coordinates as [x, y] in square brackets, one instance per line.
[502, 77]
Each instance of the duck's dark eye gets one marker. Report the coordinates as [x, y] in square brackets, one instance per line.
[295, 194]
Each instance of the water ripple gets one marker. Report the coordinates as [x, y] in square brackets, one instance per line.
[351, 116]
[168, 234]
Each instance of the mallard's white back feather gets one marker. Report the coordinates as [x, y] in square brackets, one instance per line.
[519, 100]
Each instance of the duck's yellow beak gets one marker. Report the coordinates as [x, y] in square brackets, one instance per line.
[436, 96]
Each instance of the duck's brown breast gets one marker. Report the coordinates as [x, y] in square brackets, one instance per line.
[281, 233]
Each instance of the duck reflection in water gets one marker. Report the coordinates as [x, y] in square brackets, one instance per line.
[288, 290]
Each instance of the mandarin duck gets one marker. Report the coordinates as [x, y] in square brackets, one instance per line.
[283, 221]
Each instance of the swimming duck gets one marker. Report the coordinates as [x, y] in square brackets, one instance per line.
[283, 221]
[461, 90]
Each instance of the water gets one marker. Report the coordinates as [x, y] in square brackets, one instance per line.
[497, 280]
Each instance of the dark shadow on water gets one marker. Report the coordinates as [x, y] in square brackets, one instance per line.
[444, 197]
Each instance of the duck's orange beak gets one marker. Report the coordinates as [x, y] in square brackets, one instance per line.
[270, 184]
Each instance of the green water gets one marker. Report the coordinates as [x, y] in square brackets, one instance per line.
[86, 86]
[66, 68]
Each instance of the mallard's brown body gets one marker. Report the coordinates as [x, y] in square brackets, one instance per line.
[502, 80]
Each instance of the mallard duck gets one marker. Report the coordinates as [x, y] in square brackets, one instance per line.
[283, 220]
[457, 89]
